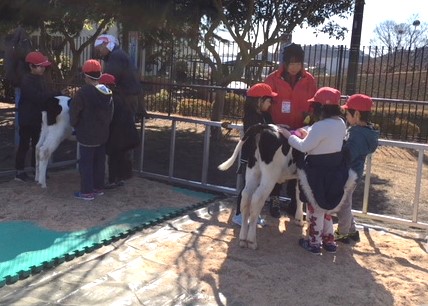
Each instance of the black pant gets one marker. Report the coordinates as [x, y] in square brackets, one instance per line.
[28, 135]
[119, 166]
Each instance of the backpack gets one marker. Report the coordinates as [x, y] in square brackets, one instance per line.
[17, 46]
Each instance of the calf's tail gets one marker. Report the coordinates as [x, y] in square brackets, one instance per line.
[228, 163]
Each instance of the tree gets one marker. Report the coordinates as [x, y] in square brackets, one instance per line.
[61, 18]
[255, 25]
[409, 35]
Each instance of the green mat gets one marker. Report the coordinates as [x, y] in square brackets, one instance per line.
[26, 248]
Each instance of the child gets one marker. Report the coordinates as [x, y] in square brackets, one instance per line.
[34, 92]
[361, 140]
[324, 170]
[90, 114]
[256, 110]
[118, 146]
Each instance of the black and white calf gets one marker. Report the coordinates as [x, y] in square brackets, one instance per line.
[272, 162]
[55, 128]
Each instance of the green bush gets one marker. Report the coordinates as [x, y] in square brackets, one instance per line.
[233, 105]
[194, 107]
[161, 101]
[396, 128]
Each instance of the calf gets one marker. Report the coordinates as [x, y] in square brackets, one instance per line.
[272, 162]
[55, 128]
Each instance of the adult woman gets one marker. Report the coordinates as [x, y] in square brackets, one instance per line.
[294, 86]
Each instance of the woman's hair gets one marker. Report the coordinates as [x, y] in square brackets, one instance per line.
[330, 110]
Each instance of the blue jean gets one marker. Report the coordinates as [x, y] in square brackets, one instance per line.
[92, 168]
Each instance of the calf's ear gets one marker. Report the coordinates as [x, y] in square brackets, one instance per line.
[47, 102]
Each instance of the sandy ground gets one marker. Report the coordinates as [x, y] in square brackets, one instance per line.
[387, 267]
[56, 208]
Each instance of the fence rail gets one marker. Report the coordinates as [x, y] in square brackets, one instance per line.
[414, 221]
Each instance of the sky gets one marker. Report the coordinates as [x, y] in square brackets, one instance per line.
[375, 12]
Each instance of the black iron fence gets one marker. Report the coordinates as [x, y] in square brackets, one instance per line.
[176, 81]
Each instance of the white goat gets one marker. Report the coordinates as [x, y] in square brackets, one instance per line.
[55, 128]
[273, 162]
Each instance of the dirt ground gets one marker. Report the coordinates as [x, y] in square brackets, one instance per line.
[383, 269]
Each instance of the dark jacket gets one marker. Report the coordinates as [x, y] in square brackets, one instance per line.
[252, 117]
[119, 64]
[34, 93]
[327, 175]
[91, 114]
[124, 135]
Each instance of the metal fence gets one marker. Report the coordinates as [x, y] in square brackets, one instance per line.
[176, 81]
[207, 176]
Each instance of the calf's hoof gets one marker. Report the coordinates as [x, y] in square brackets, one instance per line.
[243, 243]
[299, 222]
[252, 245]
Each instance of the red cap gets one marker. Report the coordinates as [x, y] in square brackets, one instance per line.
[107, 79]
[326, 95]
[261, 90]
[91, 66]
[359, 102]
[37, 58]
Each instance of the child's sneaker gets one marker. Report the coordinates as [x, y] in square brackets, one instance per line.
[354, 236]
[330, 247]
[98, 192]
[341, 238]
[237, 219]
[261, 221]
[22, 177]
[304, 243]
[84, 196]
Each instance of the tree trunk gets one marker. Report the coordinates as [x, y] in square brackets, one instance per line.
[217, 113]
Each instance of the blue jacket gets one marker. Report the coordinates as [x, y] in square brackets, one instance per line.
[359, 142]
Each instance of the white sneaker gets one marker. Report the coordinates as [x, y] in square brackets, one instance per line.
[237, 219]
[261, 221]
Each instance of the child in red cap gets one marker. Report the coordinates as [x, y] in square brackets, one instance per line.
[256, 110]
[34, 92]
[90, 115]
[361, 140]
[323, 173]
[118, 147]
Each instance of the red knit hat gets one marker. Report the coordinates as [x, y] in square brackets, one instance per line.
[261, 90]
[37, 58]
[359, 102]
[326, 95]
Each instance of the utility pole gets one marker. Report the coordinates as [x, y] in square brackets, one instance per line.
[354, 52]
